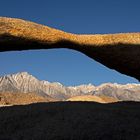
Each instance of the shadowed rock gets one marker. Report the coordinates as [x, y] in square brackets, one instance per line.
[116, 51]
[71, 121]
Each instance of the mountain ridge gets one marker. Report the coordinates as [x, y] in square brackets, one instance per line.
[23, 82]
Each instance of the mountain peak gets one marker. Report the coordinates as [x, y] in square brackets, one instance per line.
[24, 73]
[23, 82]
[17, 74]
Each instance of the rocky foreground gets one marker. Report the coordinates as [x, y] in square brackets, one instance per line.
[71, 121]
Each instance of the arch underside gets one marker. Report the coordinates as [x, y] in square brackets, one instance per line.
[123, 56]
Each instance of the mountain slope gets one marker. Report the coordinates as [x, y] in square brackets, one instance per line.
[23, 82]
[99, 99]
[22, 98]
[128, 92]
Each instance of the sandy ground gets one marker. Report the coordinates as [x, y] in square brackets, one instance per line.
[71, 121]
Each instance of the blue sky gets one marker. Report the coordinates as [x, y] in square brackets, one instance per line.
[76, 16]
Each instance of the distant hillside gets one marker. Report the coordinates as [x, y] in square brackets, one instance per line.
[99, 99]
[24, 82]
[22, 98]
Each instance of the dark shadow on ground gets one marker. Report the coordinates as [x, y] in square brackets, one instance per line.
[71, 121]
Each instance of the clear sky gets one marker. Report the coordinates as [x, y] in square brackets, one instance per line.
[75, 16]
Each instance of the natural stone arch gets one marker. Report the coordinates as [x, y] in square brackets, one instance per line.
[116, 51]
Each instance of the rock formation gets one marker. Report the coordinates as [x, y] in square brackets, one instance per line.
[116, 51]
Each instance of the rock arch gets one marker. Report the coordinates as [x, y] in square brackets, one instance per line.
[117, 51]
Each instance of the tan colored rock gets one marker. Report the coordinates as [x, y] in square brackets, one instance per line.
[116, 51]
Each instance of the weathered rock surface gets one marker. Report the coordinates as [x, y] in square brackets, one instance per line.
[116, 51]
[25, 83]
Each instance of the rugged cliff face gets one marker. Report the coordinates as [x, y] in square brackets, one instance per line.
[23, 82]
[116, 51]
